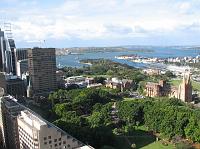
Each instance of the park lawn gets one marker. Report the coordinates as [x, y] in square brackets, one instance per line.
[142, 139]
[195, 85]
[158, 145]
[128, 99]
[124, 142]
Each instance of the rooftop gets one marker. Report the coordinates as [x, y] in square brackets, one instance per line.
[31, 119]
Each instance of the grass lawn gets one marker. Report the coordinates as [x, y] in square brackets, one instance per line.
[128, 99]
[158, 145]
[142, 139]
[143, 142]
[195, 85]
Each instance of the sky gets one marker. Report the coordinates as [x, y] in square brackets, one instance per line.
[75, 23]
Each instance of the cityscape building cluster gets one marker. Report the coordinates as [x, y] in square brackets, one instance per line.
[28, 73]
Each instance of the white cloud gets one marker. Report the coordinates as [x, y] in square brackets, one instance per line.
[95, 19]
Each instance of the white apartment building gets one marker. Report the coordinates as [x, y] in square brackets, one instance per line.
[36, 133]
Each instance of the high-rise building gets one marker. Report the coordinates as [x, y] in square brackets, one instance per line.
[13, 61]
[16, 87]
[3, 81]
[2, 140]
[6, 53]
[21, 67]
[42, 70]
[34, 132]
[21, 54]
[9, 110]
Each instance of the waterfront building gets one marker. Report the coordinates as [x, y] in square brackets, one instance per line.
[152, 71]
[42, 70]
[182, 92]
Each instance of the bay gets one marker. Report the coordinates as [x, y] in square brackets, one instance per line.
[159, 52]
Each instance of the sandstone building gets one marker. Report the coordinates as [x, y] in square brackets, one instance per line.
[183, 91]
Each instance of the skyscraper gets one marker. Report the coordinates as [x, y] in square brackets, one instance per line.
[6, 47]
[42, 70]
[9, 110]
[12, 49]
[3, 81]
[21, 61]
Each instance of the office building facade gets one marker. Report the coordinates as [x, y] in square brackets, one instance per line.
[36, 133]
[3, 81]
[42, 70]
[16, 87]
[9, 111]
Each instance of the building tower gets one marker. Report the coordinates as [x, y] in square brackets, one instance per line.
[42, 70]
[185, 89]
[9, 111]
[5, 53]
[11, 45]
[3, 81]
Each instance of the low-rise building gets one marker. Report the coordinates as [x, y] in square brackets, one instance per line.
[94, 85]
[151, 71]
[122, 85]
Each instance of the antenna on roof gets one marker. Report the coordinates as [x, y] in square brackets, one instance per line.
[45, 44]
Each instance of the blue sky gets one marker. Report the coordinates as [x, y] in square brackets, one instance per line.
[70, 23]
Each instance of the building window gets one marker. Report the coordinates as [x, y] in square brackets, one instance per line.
[64, 142]
[59, 139]
[45, 143]
[49, 137]
[68, 145]
[55, 144]
[49, 142]
[55, 140]
[45, 138]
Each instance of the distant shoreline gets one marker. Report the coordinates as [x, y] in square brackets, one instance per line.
[80, 51]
